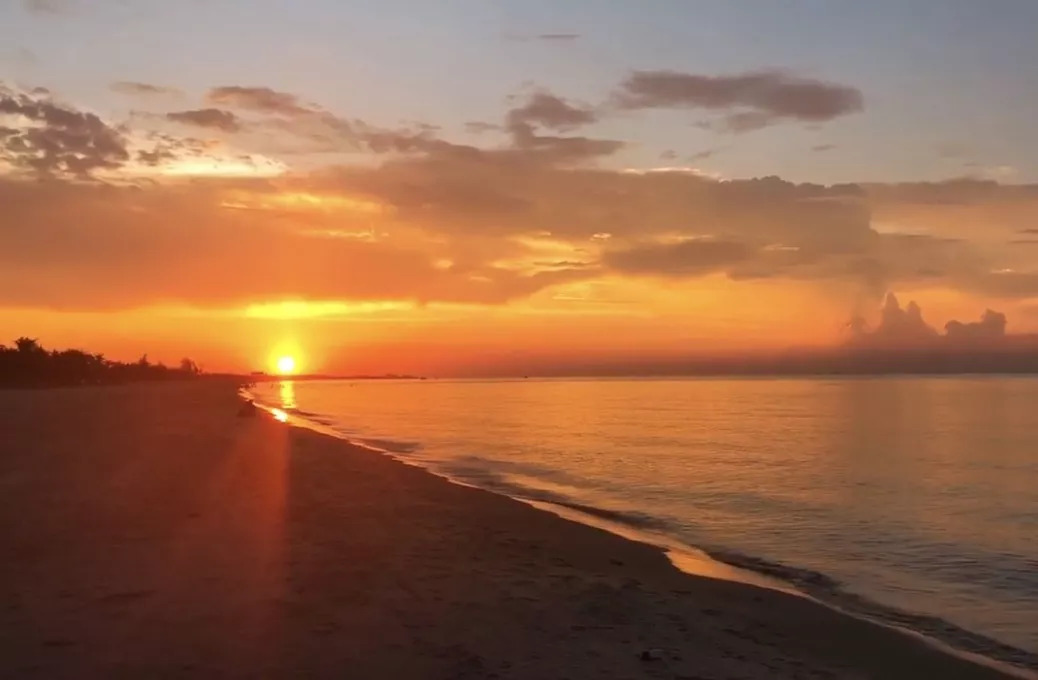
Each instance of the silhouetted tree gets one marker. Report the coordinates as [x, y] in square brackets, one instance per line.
[28, 364]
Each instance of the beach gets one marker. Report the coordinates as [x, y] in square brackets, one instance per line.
[149, 532]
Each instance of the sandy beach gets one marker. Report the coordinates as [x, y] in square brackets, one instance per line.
[149, 532]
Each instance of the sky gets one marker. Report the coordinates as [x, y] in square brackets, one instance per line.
[469, 186]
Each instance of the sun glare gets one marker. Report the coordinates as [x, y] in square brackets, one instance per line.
[286, 365]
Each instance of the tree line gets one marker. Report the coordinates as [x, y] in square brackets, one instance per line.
[29, 364]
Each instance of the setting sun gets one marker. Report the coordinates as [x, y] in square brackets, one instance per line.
[286, 365]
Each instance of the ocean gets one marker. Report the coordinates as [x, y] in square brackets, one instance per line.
[913, 501]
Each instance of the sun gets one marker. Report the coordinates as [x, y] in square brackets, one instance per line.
[286, 365]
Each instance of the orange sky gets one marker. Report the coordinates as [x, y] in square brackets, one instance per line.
[268, 225]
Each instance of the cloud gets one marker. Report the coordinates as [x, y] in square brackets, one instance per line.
[295, 126]
[819, 148]
[992, 326]
[693, 257]
[897, 327]
[143, 89]
[56, 140]
[748, 100]
[477, 127]
[48, 6]
[904, 328]
[545, 110]
[703, 155]
[215, 119]
[261, 99]
[75, 246]
[549, 111]
[487, 210]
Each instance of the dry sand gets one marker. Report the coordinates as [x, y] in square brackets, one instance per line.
[146, 532]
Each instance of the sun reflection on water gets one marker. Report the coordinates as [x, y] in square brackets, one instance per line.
[287, 393]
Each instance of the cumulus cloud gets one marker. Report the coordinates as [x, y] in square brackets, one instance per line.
[897, 326]
[216, 119]
[904, 328]
[747, 100]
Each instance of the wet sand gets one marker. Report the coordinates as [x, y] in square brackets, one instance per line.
[146, 531]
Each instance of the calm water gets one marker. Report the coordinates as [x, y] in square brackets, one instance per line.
[913, 500]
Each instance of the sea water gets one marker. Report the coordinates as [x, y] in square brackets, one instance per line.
[910, 500]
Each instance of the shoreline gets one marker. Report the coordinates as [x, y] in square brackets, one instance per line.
[153, 533]
[741, 569]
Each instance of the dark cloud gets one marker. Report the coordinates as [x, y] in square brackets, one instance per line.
[743, 121]
[60, 141]
[687, 258]
[143, 89]
[215, 119]
[546, 110]
[992, 326]
[1028, 231]
[818, 148]
[748, 100]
